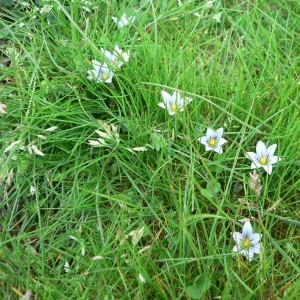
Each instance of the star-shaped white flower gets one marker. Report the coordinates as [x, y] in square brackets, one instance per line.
[173, 103]
[263, 157]
[100, 73]
[247, 242]
[213, 140]
[117, 57]
[124, 21]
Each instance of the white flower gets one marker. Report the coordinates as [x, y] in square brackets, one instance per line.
[124, 21]
[247, 242]
[173, 103]
[263, 157]
[101, 72]
[117, 57]
[213, 140]
[3, 108]
[141, 278]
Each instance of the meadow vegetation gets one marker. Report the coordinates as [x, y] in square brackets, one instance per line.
[104, 193]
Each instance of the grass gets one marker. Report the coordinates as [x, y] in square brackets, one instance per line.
[102, 216]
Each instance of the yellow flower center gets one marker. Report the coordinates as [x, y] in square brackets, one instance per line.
[264, 160]
[246, 243]
[212, 142]
[174, 107]
[105, 76]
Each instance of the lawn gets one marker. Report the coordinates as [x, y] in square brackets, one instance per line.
[149, 149]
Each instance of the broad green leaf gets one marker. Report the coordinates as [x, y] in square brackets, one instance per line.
[201, 284]
[193, 291]
[207, 193]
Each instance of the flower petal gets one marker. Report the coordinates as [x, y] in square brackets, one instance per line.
[125, 56]
[219, 133]
[119, 56]
[109, 80]
[250, 254]
[90, 77]
[108, 54]
[244, 252]
[118, 50]
[96, 63]
[255, 237]
[256, 248]
[261, 149]
[268, 168]
[176, 98]
[131, 19]
[218, 149]
[124, 21]
[171, 113]
[271, 150]
[222, 142]
[274, 159]
[203, 140]
[247, 229]
[162, 104]
[237, 236]
[166, 96]
[210, 133]
[253, 156]
[235, 248]
[188, 100]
